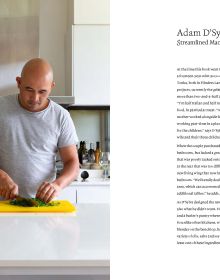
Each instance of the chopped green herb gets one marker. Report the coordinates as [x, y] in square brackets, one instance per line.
[32, 202]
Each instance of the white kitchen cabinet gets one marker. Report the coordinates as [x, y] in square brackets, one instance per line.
[86, 193]
[93, 194]
[68, 193]
[91, 11]
[90, 64]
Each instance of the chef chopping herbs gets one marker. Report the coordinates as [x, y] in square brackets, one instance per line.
[33, 129]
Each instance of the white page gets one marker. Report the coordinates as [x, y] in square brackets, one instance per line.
[144, 90]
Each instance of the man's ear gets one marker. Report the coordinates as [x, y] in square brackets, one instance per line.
[53, 84]
[18, 80]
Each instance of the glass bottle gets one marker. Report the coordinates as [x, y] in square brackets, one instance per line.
[91, 154]
[84, 153]
[97, 152]
[80, 152]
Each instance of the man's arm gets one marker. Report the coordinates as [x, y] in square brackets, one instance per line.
[48, 190]
[70, 171]
[8, 188]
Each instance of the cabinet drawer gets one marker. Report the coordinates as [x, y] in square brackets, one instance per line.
[93, 195]
[68, 193]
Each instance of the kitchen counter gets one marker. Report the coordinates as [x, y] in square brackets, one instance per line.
[91, 182]
[56, 243]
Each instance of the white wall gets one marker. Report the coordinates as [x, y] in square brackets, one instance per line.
[87, 125]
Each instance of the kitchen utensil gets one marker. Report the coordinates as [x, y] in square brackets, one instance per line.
[84, 175]
[64, 206]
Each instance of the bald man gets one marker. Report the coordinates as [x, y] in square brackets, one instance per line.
[33, 129]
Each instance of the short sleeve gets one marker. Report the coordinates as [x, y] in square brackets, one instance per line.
[68, 134]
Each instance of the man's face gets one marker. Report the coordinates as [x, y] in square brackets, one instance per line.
[34, 92]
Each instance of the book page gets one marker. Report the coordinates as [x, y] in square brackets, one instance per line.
[170, 99]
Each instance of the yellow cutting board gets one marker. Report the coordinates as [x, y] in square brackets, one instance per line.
[64, 206]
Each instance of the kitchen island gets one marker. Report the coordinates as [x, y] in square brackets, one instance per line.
[58, 245]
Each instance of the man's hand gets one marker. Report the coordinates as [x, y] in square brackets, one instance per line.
[47, 191]
[8, 188]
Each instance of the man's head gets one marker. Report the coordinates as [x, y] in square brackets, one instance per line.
[35, 84]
